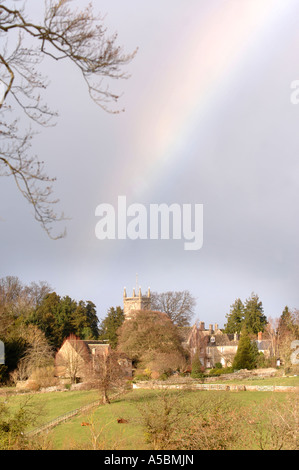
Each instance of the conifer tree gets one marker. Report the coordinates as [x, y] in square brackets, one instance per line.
[235, 318]
[109, 326]
[246, 356]
[254, 318]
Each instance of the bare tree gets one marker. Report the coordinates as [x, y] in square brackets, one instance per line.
[39, 353]
[179, 306]
[109, 373]
[64, 34]
[38, 359]
[271, 332]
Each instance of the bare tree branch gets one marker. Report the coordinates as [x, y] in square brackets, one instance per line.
[64, 34]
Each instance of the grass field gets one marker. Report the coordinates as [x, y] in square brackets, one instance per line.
[52, 405]
[130, 435]
[103, 421]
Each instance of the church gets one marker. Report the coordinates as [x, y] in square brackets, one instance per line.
[136, 302]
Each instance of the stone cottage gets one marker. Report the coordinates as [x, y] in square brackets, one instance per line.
[211, 344]
[77, 359]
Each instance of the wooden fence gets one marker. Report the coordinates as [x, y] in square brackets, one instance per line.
[63, 418]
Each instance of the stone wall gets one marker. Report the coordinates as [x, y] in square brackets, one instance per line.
[213, 387]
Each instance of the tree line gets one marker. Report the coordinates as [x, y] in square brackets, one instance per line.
[33, 319]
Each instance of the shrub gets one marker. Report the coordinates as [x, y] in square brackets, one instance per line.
[163, 376]
[44, 377]
[171, 424]
[197, 368]
[217, 372]
[140, 378]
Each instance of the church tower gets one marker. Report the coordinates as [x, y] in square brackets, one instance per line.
[136, 302]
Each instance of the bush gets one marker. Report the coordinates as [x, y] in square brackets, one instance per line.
[217, 372]
[171, 424]
[44, 377]
[14, 422]
[197, 368]
[140, 378]
[163, 376]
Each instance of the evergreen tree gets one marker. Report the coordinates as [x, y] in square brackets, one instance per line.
[254, 318]
[235, 318]
[109, 326]
[60, 317]
[247, 353]
[85, 321]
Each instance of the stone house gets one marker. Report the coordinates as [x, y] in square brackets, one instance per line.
[264, 345]
[77, 359]
[211, 344]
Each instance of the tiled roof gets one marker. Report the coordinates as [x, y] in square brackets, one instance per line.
[223, 339]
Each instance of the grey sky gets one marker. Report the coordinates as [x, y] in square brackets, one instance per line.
[208, 120]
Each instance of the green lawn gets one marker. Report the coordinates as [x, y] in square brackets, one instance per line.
[104, 421]
[54, 404]
[130, 435]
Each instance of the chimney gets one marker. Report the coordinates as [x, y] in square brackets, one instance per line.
[216, 326]
[149, 293]
[259, 336]
[125, 292]
[202, 325]
[140, 292]
[210, 328]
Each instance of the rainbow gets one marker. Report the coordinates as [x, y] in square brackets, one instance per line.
[203, 66]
